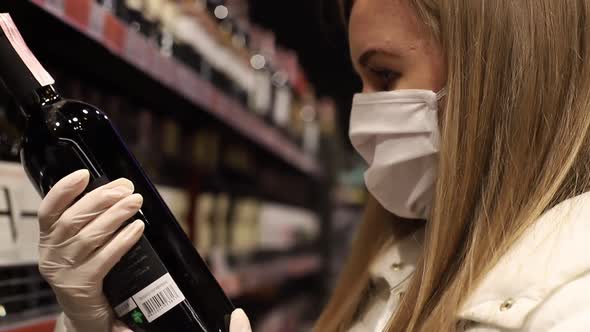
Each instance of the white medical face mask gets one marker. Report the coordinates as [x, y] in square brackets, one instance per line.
[397, 134]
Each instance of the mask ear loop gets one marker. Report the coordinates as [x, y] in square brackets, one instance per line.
[441, 94]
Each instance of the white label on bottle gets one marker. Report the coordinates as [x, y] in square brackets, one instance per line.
[125, 307]
[282, 107]
[159, 297]
[263, 93]
[16, 40]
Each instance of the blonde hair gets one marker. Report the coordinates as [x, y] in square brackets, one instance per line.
[515, 141]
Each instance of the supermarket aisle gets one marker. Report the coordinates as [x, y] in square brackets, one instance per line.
[246, 153]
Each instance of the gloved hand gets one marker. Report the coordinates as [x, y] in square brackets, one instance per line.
[239, 322]
[80, 243]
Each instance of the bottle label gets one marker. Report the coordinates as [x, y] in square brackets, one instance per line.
[159, 297]
[139, 287]
[17, 42]
[125, 307]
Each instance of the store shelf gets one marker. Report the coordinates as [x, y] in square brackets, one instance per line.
[37, 324]
[251, 278]
[95, 23]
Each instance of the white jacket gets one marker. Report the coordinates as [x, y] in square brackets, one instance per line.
[542, 284]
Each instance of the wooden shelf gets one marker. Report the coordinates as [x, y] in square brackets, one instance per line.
[38, 324]
[97, 25]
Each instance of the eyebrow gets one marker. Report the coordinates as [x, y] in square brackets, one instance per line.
[363, 60]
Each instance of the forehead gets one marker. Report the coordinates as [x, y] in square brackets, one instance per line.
[384, 23]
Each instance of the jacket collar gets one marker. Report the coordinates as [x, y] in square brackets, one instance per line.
[397, 263]
[550, 254]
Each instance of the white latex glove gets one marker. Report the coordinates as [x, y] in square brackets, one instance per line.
[80, 243]
[239, 322]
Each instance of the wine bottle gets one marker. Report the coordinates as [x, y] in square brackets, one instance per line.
[162, 284]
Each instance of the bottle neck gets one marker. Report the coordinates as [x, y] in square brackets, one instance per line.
[47, 95]
[39, 99]
[20, 71]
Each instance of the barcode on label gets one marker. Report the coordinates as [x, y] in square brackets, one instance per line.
[159, 301]
[159, 297]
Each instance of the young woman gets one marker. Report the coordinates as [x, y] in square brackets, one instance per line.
[474, 120]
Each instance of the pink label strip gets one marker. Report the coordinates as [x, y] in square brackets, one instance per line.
[15, 38]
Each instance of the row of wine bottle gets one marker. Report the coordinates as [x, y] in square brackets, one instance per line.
[193, 154]
[238, 58]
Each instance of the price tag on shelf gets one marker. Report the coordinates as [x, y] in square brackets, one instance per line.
[149, 56]
[219, 101]
[78, 11]
[246, 120]
[204, 93]
[193, 86]
[231, 110]
[211, 99]
[131, 51]
[279, 145]
[57, 7]
[241, 110]
[136, 50]
[169, 70]
[236, 119]
[172, 64]
[183, 81]
[115, 33]
[224, 107]
[18, 221]
[155, 60]
[96, 21]
[250, 122]
[162, 66]
[262, 136]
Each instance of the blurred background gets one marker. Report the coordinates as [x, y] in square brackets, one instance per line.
[237, 110]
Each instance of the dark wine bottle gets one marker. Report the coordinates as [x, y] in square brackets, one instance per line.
[162, 284]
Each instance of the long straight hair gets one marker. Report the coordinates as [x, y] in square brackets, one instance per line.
[515, 142]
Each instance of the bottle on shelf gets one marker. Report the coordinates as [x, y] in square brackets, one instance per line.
[306, 125]
[261, 98]
[168, 14]
[170, 138]
[9, 128]
[131, 12]
[204, 155]
[114, 6]
[179, 21]
[177, 200]
[295, 123]
[145, 149]
[152, 14]
[244, 227]
[281, 113]
[221, 214]
[203, 223]
[62, 136]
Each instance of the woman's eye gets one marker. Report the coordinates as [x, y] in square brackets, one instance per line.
[385, 78]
